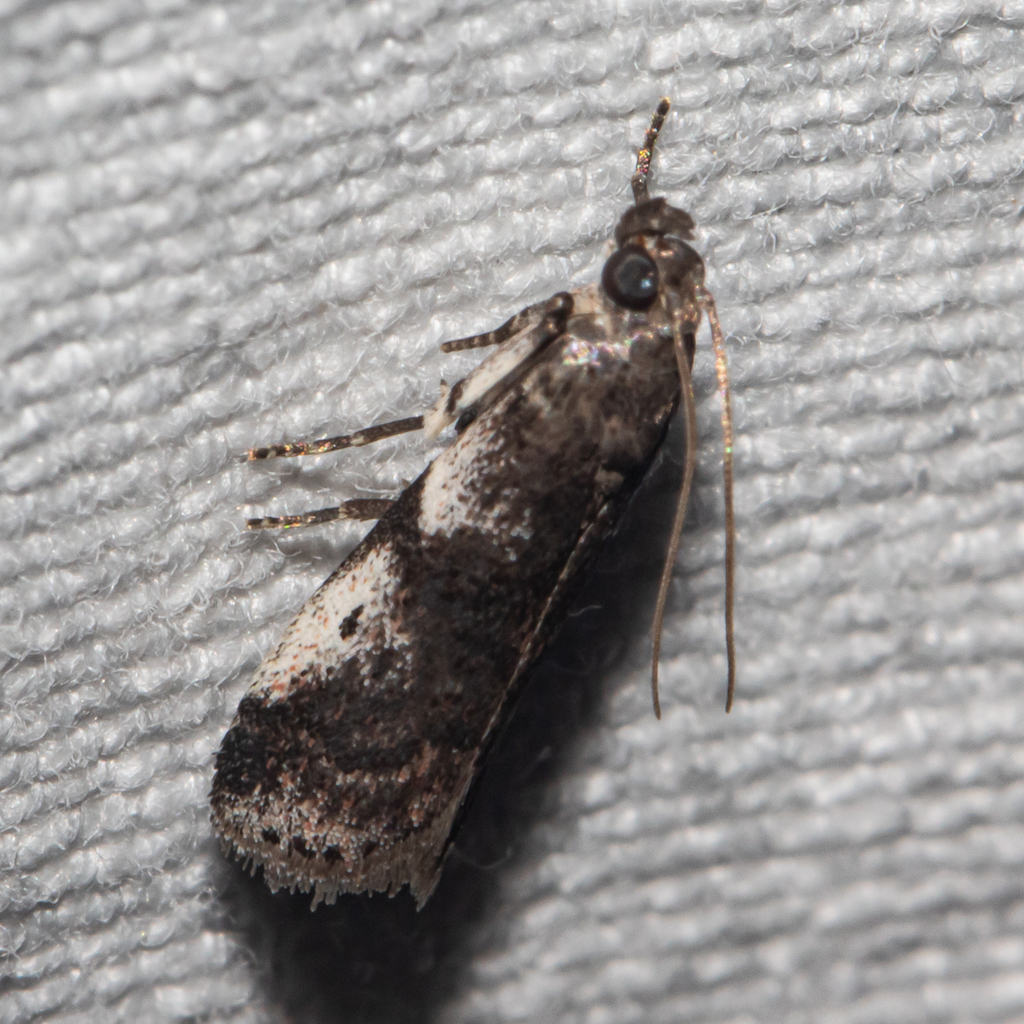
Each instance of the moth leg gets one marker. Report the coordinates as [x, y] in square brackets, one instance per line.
[358, 508]
[501, 370]
[334, 444]
[557, 311]
[511, 326]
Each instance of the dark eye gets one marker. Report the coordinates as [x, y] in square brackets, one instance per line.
[630, 277]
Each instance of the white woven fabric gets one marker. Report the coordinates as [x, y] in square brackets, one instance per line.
[242, 223]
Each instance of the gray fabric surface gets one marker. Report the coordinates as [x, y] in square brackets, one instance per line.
[241, 223]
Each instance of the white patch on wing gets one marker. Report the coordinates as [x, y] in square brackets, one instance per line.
[314, 636]
[589, 300]
[445, 504]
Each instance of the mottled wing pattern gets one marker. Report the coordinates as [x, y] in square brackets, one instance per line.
[362, 733]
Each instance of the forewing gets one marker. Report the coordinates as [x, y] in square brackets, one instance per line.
[361, 734]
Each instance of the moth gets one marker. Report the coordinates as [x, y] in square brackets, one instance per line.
[357, 743]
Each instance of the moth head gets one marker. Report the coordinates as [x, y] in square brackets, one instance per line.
[652, 255]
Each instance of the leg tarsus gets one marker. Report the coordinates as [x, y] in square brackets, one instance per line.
[362, 509]
[334, 444]
[510, 327]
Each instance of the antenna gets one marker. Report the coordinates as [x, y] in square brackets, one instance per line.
[643, 156]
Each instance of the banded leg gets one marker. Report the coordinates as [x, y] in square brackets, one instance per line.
[334, 444]
[512, 326]
[361, 509]
[463, 401]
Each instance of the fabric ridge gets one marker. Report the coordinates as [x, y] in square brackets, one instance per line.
[236, 225]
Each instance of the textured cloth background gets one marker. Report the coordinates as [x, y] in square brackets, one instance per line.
[247, 222]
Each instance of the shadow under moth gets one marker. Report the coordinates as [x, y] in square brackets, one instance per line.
[362, 733]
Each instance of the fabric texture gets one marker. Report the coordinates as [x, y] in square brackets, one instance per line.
[235, 224]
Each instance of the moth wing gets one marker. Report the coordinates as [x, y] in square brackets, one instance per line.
[361, 735]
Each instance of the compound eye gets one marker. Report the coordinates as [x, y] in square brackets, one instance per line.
[630, 278]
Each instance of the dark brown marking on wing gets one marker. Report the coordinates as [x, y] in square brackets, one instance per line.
[348, 624]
